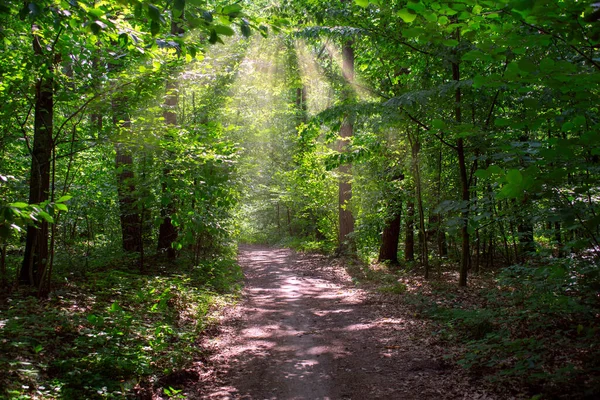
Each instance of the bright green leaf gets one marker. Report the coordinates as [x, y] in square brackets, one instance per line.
[407, 15]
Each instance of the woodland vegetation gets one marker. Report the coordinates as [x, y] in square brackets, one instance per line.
[439, 140]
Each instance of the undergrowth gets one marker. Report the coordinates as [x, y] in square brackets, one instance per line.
[531, 328]
[112, 333]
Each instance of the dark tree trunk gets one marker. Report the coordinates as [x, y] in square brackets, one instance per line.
[409, 238]
[423, 244]
[389, 240]
[525, 233]
[130, 218]
[129, 214]
[558, 239]
[465, 258]
[36, 245]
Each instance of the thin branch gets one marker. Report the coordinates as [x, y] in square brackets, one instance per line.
[441, 139]
[84, 106]
[582, 54]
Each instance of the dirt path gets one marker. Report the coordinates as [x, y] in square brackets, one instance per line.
[305, 332]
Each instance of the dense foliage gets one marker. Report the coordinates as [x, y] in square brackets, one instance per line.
[430, 136]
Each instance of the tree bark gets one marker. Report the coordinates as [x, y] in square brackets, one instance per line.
[36, 245]
[409, 237]
[465, 258]
[389, 240]
[130, 218]
[415, 148]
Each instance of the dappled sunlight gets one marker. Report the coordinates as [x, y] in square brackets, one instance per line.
[301, 328]
[359, 89]
[319, 92]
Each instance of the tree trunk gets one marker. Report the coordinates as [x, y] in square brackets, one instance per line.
[409, 238]
[389, 240]
[346, 219]
[440, 234]
[129, 215]
[465, 258]
[36, 245]
[560, 253]
[424, 250]
[525, 233]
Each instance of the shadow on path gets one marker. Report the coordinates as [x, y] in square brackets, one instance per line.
[303, 335]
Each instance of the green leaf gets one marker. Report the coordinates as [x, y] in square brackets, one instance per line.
[362, 3]
[115, 307]
[547, 65]
[510, 191]
[482, 173]
[479, 81]
[501, 122]
[154, 28]
[19, 204]
[567, 126]
[208, 17]
[527, 65]
[245, 28]
[232, 9]
[223, 30]
[154, 13]
[64, 198]
[213, 38]
[96, 13]
[450, 42]
[61, 207]
[46, 216]
[514, 176]
[179, 5]
[438, 124]
[494, 169]
[407, 15]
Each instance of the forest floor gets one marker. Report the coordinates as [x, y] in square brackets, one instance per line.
[304, 330]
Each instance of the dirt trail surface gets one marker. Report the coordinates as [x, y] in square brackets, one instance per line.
[303, 331]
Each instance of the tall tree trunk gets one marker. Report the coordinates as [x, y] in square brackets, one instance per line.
[36, 245]
[389, 239]
[129, 215]
[465, 258]
[560, 253]
[346, 219]
[440, 234]
[525, 234]
[424, 250]
[409, 237]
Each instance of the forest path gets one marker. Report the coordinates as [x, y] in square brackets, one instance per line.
[303, 331]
